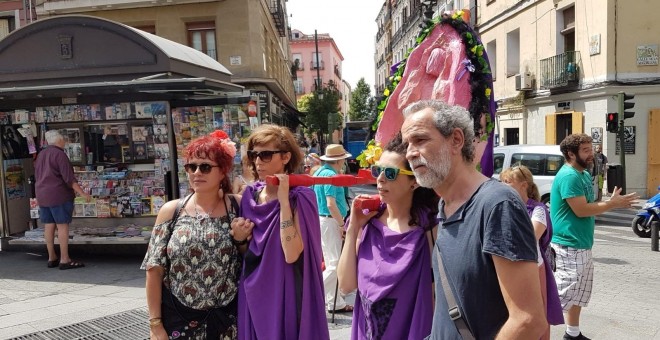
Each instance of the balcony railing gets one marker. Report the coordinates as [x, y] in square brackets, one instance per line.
[560, 71]
[313, 65]
[277, 11]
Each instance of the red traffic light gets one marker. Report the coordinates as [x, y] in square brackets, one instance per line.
[612, 123]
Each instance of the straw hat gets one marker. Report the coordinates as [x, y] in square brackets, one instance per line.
[335, 152]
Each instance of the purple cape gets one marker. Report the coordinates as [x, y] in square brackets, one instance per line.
[277, 300]
[394, 299]
[555, 314]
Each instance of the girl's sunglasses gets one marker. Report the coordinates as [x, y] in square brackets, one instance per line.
[265, 156]
[390, 173]
[203, 168]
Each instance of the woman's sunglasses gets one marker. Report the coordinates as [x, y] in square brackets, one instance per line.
[390, 173]
[203, 168]
[265, 156]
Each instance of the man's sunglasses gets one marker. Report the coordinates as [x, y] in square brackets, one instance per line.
[203, 168]
[265, 156]
[390, 173]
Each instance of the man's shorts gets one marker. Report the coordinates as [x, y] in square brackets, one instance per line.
[574, 275]
[59, 214]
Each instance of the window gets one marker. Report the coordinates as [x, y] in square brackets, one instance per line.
[201, 36]
[7, 25]
[491, 50]
[513, 53]
[298, 86]
[568, 28]
[498, 162]
[298, 56]
[317, 62]
[538, 164]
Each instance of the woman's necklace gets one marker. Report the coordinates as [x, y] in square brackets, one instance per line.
[204, 215]
[200, 217]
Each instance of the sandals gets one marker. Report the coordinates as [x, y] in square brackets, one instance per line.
[71, 265]
[54, 263]
[346, 309]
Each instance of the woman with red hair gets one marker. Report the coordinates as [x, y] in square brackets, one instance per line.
[193, 261]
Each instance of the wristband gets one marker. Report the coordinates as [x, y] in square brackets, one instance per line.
[153, 322]
[239, 243]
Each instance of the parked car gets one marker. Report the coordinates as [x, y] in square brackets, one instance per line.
[542, 160]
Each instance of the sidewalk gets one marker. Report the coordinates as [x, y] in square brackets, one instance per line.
[106, 298]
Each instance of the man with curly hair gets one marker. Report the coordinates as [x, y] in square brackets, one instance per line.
[572, 210]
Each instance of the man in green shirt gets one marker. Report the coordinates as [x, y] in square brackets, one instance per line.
[572, 210]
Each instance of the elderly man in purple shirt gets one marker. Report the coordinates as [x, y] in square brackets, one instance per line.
[55, 186]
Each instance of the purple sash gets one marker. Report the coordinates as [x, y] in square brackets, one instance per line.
[278, 300]
[554, 311]
[394, 299]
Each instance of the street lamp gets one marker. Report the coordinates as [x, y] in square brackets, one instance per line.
[428, 5]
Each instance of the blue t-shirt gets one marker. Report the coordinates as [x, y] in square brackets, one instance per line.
[493, 221]
[324, 190]
[567, 228]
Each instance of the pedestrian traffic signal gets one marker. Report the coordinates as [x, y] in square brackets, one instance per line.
[612, 122]
[623, 105]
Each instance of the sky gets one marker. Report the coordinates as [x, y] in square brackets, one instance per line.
[351, 23]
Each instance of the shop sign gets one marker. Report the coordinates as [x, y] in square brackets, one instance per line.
[647, 55]
[629, 140]
[264, 105]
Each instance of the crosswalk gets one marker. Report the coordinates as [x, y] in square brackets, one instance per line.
[617, 234]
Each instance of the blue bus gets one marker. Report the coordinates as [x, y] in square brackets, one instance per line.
[356, 135]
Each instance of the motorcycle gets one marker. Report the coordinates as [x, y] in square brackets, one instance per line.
[641, 224]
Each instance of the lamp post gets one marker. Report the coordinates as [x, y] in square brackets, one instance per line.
[427, 6]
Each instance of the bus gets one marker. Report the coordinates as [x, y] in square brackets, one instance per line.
[356, 135]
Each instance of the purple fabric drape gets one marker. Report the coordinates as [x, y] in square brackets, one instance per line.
[394, 299]
[555, 313]
[278, 300]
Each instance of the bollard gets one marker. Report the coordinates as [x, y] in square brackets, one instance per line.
[655, 225]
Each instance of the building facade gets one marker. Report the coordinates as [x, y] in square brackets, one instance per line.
[558, 66]
[328, 67]
[15, 14]
[249, 37]
[383, 50]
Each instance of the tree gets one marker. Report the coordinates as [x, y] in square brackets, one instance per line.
[362, 103]
[303, 102]
[322, 114]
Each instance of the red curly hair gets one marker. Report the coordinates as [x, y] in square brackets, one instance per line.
[213, 148]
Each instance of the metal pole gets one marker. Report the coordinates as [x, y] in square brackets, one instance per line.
[318, 87]
[622, 144]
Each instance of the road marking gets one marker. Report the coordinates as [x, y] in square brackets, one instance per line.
[600, 232]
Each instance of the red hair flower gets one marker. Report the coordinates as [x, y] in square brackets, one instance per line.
[219, 134]
[228, 146]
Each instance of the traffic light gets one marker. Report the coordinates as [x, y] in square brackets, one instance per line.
[623, 105]
[612, 123]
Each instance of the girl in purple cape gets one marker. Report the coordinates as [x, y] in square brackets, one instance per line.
[281, 287]
[521, 180]
[386, 254]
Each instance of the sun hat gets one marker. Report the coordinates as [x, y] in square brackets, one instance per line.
[335, 152]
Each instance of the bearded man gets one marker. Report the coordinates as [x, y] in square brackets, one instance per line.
[572, 210]
[485, 237]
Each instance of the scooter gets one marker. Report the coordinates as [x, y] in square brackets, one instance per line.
[641, 224]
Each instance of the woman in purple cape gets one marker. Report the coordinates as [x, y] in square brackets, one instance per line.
[520, 178]
[386, 255]
[281, 287]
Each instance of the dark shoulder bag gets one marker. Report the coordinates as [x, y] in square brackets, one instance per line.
[454, 311]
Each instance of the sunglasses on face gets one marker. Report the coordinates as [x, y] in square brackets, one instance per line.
[204, 168]
[265, 156]
[390, 173]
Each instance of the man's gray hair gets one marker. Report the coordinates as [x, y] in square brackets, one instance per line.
[447, 118]
[53, 136]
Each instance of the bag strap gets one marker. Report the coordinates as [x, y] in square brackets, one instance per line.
[177, 212]
[453, 309]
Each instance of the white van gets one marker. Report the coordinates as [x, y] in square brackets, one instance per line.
[542, 160]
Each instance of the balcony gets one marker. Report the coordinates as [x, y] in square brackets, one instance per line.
[561, 71]
[313, 65]
[277, 11]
